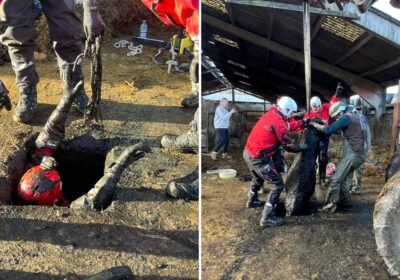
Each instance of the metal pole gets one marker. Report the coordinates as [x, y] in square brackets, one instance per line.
[307, 50]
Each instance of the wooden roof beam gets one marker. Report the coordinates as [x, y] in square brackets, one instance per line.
[382, 67]
[360, 43]
[295, 8]
[314, 32]
[366, 88]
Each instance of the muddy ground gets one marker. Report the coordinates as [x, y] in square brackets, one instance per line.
[318, 246]
[154, 235]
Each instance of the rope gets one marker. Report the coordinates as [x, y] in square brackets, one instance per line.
[134, 50]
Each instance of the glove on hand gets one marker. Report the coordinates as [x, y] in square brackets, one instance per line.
[303, 147]
[305, 123]
[93, 23]
[4, 98]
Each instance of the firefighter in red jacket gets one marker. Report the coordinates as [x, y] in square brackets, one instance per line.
[185, 14]
[268, 134]
[41, 185]
[321, 111]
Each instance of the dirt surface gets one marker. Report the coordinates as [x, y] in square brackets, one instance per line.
[154, 235]
[318, 246]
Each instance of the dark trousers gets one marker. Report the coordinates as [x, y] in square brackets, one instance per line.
[65, 28]
[223, 140]
[263, 169]
[323, 156]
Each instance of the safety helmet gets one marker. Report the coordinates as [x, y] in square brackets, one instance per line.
[315, 102]
[336, 108]
[41, 187]
[286, 106]
[48, 163]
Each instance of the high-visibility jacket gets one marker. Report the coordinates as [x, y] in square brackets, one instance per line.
[268, 134]
[41, 187]
[183, 13]
[324, 112]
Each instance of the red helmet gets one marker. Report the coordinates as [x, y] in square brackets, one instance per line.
[41, 187]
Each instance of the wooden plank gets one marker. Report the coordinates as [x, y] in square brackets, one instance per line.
[395, 129]
[382, 67]
[294, 8]
[360, 43]
[395, 125]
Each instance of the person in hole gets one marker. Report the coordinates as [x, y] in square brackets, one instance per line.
[66, 32]
[41, 185]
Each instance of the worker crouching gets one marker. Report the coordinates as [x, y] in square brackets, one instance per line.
[41, 185]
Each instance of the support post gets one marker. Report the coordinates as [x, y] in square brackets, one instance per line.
[395, 124]
[233, 95]
[307, 50]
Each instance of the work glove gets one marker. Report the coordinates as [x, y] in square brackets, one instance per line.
[303, 147]
[93, 23]
[340, 92]
[305, 123]
[5, 101]
[318, 126]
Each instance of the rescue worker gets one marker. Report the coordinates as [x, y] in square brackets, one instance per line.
[183, 13]
[321, 111]
[186, 187]
[5, 101]
[353, 184]
[186, 142]
[66, 33]
[41, 185]
[349, 123]
[268, 134]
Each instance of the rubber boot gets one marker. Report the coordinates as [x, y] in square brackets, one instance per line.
[186, 187]
[187, 142]
[26, 105]
[191, 101]
[81, 102]
[115, 273]
[252, 200]
[4, 98]
[269, 218]
[329, 207]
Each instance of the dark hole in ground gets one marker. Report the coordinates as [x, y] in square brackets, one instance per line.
[79, 171]
[310, 209]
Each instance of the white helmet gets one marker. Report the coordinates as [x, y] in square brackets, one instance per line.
[315, 102]
[286, 106]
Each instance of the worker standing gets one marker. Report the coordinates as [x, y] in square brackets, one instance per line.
[221, 125]
[66, 32]
[268, 134]
[349, 123]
